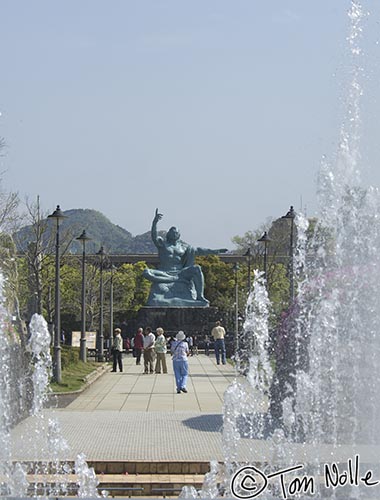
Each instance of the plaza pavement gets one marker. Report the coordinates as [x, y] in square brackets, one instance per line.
[132, 416]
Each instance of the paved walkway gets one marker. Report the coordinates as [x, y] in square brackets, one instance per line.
[133, 416]
[130, 417]
[134, 391]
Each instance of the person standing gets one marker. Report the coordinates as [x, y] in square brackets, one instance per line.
[171, 339]
[189, 340]
[148, 343]
[207, 346]
[180, 352]
[161, 350]
[218, 332]
[195, 345]
[117, 349]
[138, 345]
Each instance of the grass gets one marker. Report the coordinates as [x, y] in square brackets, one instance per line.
[74, 371]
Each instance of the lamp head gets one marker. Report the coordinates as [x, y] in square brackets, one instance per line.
[101, 252]
[83, 237]
[290, 214]
[265, 238]
[57, 214]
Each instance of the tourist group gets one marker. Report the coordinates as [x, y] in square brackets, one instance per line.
[154, 348]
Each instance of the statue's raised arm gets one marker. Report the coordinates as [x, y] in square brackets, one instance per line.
[157, 240]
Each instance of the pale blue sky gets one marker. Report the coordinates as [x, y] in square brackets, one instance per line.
[217, 112]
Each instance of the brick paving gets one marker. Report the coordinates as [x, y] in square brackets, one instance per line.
[142, 435]
[132, 416]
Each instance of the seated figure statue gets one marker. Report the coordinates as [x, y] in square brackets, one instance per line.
[178, 281]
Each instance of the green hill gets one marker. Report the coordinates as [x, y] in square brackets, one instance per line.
[99, 228]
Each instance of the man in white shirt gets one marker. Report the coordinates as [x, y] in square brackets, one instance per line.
[149, 340]
[117, 349]
[218, 332]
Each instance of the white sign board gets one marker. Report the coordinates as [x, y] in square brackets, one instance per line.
[90, 339]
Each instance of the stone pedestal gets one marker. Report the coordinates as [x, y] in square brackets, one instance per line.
[192, 320]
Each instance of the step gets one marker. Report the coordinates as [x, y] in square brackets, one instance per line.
[149, 467]
[121, 478]
[120, 484]
[127, 467]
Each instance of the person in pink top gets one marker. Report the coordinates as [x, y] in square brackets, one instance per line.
[138, 345]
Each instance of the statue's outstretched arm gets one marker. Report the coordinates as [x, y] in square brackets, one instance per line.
[156, 240]
[209, 251]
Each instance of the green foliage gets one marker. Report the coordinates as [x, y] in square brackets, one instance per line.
[9, 270]
[130, 290]
[278, 291]
[220, 283]
[69, 356]
[23, 285]
[249, 240]
[142, 287]
[277, 260]
[124, 284]
[71, 283]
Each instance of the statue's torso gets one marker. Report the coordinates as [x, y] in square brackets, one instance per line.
[171, 256]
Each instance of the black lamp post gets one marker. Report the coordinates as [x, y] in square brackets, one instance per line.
[248, 254]
[111, 308]
[291, 215]
[236, 268]
[57, 371]
[101, 254]
[265, 239]
[83, 352]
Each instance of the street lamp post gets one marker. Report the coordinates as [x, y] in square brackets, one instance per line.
[265, 239]
[57, 369]
[291, 215]
[101, 254]
[111, 309]
[248, 254]
[236, 268]
[83, 353]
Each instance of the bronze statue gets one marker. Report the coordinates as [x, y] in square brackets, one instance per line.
[178, 281]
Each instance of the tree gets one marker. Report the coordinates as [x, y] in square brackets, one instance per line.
[219, 281]
[130, 288]
[36, 252]
[40, 261]
[10, 273]
[220, 286]
[9, 205]
[130, 291]
[9, 221]
[249, 240]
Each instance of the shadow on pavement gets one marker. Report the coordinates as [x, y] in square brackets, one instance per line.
[205, 423]
[251, 426]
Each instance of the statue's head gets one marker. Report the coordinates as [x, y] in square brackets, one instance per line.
[173, 235]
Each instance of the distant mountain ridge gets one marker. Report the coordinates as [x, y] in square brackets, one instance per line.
[114, 239]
